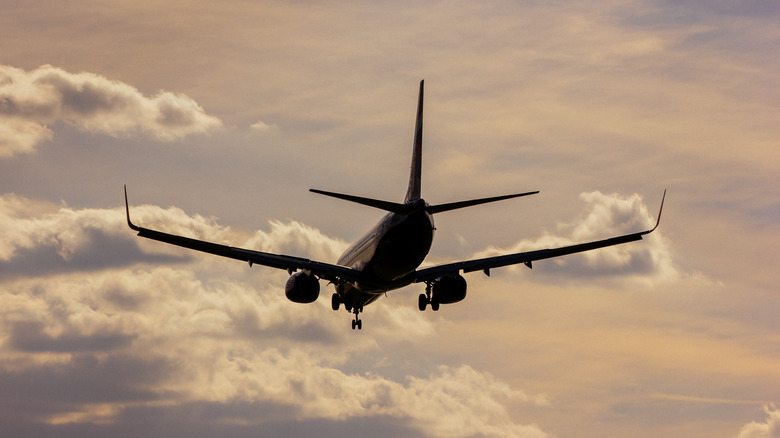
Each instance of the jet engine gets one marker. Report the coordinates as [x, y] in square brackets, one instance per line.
[449, 289]
[302, 288]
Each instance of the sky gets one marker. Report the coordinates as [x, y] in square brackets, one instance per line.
[219, 116]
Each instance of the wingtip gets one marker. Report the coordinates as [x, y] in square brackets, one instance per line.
[660, 210]
[127, 213]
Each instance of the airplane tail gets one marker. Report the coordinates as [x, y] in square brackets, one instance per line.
[415, 174]
[413, 193]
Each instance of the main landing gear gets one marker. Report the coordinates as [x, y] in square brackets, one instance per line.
[335, 303]
[426, 298]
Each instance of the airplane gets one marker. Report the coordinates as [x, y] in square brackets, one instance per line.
[389, 255]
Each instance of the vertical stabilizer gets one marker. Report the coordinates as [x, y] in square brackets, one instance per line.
[415, 176]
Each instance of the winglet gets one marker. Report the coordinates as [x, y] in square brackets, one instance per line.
[127, 211]
[660, 210]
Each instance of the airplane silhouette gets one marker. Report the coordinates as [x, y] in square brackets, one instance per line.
[388, 256]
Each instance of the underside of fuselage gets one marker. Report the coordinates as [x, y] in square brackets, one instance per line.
[387, 256]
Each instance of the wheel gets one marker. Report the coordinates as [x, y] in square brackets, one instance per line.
[422, 302]
[360, 324]
[335, 301]
[354, 324]
[435, 305]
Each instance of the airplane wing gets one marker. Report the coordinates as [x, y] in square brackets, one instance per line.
[488, 263]
[322, 270]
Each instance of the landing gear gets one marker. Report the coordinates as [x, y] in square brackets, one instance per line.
[338, 298]
[357, 323]
[424, 299]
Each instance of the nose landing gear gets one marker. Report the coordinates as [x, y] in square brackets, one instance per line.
[357, 322]
[338, 299]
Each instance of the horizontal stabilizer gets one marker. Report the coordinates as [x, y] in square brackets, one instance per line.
[376, 203]
[396, 207]
[433, 209]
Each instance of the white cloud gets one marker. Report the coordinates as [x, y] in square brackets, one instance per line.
[24, 228]
[768, 429]
[261, 126]
[21, 136]
[31, 101]
[297, 238]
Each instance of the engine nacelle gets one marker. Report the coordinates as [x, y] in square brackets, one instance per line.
[302, 288]
[449, 289]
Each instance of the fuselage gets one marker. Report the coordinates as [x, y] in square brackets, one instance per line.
[388, 254]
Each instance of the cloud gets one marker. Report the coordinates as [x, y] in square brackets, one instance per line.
[40, 239]
[21, 136]
[31, 101]
[261, 126]
[768, 429]
[31, 336]
[297, 238]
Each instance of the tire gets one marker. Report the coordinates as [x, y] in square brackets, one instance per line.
[335, 301]
[422, 301]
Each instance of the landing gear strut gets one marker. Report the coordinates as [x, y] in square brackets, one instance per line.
[426, 298]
